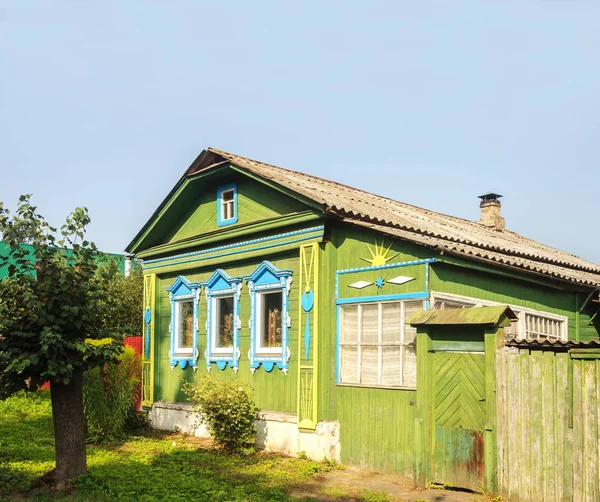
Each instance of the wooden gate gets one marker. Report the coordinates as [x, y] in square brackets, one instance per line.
[459, 419]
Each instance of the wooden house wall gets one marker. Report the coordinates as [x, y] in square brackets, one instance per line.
[378, 425]
[251, 206]
[555, 298]
[273, 391]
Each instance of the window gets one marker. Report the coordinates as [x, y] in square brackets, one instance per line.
[532, 324]
[223, 324]
[269, 317]
[377, 349]
[183, 328]
[227, 205]
[222, 320]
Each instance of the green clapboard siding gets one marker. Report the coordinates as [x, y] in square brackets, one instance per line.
[274, 391]
[202, 216]
[446, 278]
[377, 428]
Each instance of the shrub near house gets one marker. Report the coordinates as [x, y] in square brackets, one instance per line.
[302, 288]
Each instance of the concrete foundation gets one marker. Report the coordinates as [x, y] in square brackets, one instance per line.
[277, 432]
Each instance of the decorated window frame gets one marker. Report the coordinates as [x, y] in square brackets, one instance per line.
[227, 204]
[264, 285]
[181, 293]
[221, 286]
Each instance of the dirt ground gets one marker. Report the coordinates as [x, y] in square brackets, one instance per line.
[350, 483]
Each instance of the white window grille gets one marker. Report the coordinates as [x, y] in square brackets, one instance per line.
[531, 325]
[377, 348]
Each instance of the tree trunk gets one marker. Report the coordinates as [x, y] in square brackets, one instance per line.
[69, 431]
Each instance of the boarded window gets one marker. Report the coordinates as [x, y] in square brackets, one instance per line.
[377, 348]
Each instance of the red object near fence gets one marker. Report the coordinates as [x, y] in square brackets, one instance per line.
[135, 342]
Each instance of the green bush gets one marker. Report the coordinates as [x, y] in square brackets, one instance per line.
[228, 410]
[109, 395]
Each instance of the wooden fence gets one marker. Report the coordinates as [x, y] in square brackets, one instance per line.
[548, 424]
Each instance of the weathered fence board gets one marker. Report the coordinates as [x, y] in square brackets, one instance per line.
[548, 426]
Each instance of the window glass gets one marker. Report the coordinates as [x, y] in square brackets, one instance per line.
[270, 329]
[531, 324]
[185, 325]
[224, 326]
[227, 205]
[377, 348]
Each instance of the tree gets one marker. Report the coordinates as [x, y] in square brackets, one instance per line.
[51, 323]
[121, 318]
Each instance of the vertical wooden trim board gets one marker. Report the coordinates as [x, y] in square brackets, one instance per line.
[149, 340]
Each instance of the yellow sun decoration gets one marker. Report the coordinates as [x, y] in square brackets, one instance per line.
[380, 256]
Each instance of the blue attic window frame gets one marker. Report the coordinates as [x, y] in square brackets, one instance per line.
[267, 284]
[219, 287]
[183, 294]
[227, 204]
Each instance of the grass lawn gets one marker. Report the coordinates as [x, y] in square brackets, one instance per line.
[152, 467]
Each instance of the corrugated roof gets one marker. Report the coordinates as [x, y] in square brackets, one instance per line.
[554, 344]
[456, 235]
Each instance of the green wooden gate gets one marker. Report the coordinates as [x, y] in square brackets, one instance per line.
[455, 420]
[459, 419]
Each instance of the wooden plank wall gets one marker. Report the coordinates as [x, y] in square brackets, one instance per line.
[548, 426]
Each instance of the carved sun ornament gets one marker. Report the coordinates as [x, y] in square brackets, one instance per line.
[380, 256]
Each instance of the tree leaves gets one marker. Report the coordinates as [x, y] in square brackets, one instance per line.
[51, 302]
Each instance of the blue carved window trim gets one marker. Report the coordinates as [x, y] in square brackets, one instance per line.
[221, 285]
[180, 291]
[223, 220]
[269, 279]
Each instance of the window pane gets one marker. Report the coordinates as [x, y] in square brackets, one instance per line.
[409, 309]
[186, 324]
[349, 364]
[224, 328]
[349, 324]
[409, 364]
[271, 320]
[391, 323]
[227, 205]
[369, 365]
[390, 367]
[370, 324]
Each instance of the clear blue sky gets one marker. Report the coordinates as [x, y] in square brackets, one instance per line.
[106, 103]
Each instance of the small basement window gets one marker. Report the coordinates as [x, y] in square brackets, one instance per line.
[227, 205]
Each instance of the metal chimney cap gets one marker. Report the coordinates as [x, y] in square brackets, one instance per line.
[489, 197]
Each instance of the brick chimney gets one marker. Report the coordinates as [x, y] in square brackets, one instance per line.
[490, 211]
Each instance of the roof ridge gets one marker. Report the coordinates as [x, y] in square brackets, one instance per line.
[423, 215]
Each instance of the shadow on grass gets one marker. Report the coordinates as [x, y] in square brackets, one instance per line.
[187, 474]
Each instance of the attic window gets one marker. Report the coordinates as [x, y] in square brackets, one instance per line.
[227, 205]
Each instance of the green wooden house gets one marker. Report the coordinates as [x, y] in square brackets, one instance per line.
[303, 287]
